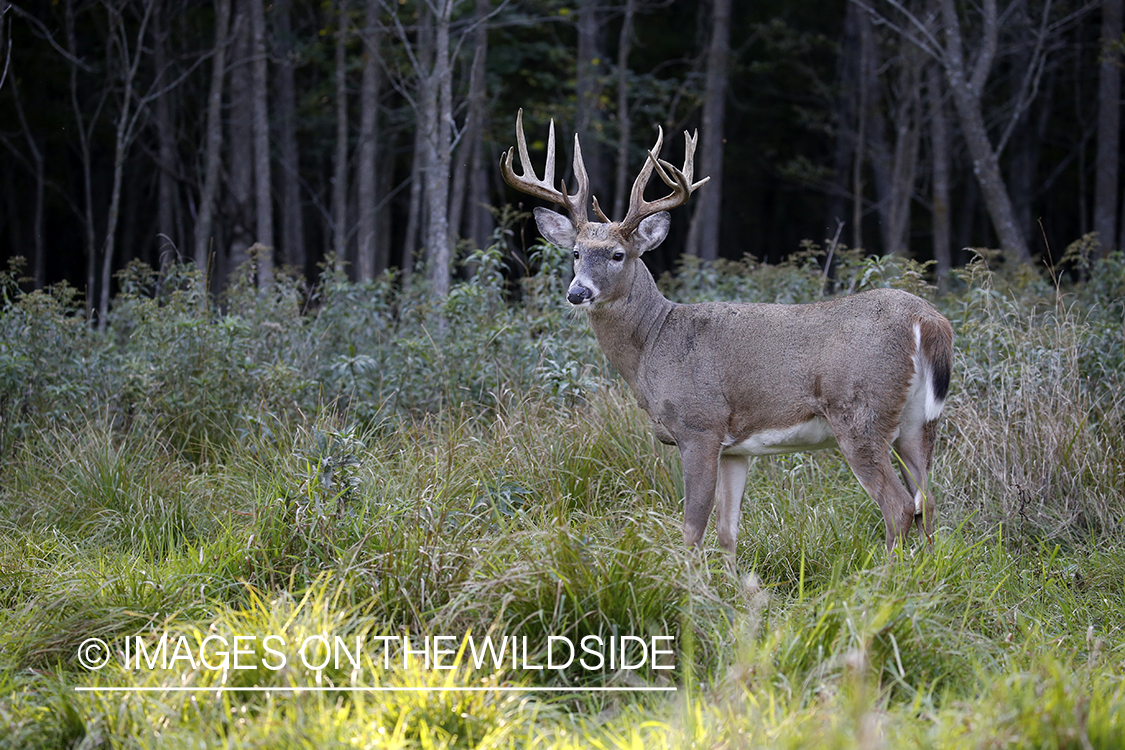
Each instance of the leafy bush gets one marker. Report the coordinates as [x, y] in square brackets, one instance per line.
[200, 375]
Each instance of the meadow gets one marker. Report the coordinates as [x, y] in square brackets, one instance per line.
[362, 462]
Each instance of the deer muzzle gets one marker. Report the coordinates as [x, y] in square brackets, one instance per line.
[579, 295]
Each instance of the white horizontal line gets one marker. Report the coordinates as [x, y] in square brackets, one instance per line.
[354, 689]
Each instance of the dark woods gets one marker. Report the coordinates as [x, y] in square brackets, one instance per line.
[366, 133]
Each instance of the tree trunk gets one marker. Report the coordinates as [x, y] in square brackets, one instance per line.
[214, 143]
[481, 222]
[384, 184]
[292, 221]
[84, 153]
[438, 111]
[416, 218]
[703, 235]
[846, 119]
[35, 164]
[167, 239]
[588, 117]
[624, 122]
[1109, 126]
[1023, 167]
[905, 161]
[13, 213]
[130, 191]
[471, 135]
[864, 39]
[414, 212]
[39, 272]
[939, 152]
[240, 161]
[367, 266]
[123, 136]
[875, 130]
[1024, 140]
[263, 204]
[5, 42]
[967, 91]
[340, 163]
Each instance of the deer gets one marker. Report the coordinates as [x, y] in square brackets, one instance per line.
[867, 373]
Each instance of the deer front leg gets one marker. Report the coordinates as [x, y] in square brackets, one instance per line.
[728, 498]
[701, 467]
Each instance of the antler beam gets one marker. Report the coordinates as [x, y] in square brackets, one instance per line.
[530, 183]
[680, 180]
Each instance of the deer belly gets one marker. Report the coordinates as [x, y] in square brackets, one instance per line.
[813, 435]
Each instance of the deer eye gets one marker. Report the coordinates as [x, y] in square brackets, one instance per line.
[619, 256]
[576, 255]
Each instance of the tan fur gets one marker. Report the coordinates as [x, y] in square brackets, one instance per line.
[710, 375]
[723, 381]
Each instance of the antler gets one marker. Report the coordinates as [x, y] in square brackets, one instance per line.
[529, 183]
[679, 180]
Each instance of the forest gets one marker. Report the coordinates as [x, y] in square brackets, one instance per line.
[284, 362]
[366, 134]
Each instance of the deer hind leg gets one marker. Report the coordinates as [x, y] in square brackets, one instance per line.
[870, 461]
[913, 448]
[913, 463]
[925, 519]
[728, 500]
[915, 471]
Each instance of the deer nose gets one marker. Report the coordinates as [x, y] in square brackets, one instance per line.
[577, 294]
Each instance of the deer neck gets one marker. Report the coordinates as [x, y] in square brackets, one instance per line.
[630, 324]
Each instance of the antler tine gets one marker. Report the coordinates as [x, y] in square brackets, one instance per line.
[529, 182]
[637, 194]
[549, 169]
[598, 211]
[680, 180]
[576, 203]
[689, 161]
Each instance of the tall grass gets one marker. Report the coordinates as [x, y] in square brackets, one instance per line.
[358, 459]
[1035, 425]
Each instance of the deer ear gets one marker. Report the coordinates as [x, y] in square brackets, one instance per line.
[651, 232]
[555, 227]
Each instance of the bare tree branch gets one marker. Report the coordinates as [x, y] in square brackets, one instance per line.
[989, 42]
[1030, 82]
[8, 46]
[927, 42]
[47, 35]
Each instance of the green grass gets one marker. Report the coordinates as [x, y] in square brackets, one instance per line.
[524, 495]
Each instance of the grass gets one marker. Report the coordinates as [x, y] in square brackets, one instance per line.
[312, 494]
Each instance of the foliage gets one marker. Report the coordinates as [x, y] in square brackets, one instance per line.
[360, 460]
[202, 376]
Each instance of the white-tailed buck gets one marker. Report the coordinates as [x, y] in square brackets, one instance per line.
[724, 382]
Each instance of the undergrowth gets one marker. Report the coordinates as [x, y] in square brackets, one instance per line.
[361, 461]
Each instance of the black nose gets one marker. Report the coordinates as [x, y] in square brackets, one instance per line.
[576, 295]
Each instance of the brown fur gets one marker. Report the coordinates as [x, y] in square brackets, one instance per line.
[711, 375]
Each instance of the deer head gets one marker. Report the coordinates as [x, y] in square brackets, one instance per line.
[605, 251]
